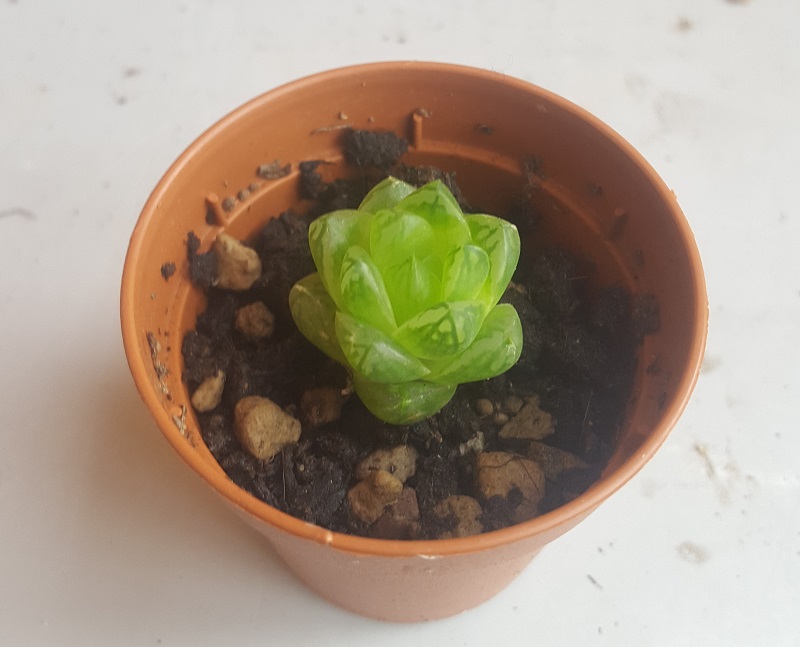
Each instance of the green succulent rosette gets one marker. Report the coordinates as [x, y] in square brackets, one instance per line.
[406, 297]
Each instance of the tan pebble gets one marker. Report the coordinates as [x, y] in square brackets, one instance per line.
[320, 406]
[474, 444]
[531, 423]
[400, 461]
[498, 473]
[263, 427]
[466, 513]
[484, 407]
[512, 404]
[400, 520]
[238, 266]
[208, 395]
[255, 321]
[369, 497]
[500, 418]
[553, 460]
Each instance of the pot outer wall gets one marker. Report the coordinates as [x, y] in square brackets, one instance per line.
[603, 201]
[405, 588]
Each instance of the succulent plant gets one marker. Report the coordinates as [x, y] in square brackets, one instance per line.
[406, 297]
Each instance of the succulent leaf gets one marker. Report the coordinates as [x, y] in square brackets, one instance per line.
[375, 355]
[443, 330]
[436, 204]
[363, 293]
[396, 236]
[403, 403]
[465, 271]
[495, 350]
[413, 286]
[314, 313]
[500, 240]
[329, 238]
[385, 195]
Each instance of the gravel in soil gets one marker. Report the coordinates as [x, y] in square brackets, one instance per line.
[577, 366]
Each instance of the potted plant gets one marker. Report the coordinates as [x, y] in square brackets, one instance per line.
[492, 130]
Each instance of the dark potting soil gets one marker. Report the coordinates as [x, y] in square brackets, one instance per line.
[578, 360]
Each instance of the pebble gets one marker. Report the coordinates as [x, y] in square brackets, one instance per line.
[238, 266]
[400, 520]
[484, 407]
[255, 321]
[553, 460]
[208, 395]
[500, 418]
[399, 461]
[465, 512]
[474, 444]
[498, 473]
[513, 403]
[321, 406]
[531, 423]
[370, 497]
[263, 427]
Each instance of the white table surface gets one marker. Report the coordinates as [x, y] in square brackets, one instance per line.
[107, 539]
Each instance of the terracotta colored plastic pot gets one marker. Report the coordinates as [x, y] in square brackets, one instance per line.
[610, 205]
